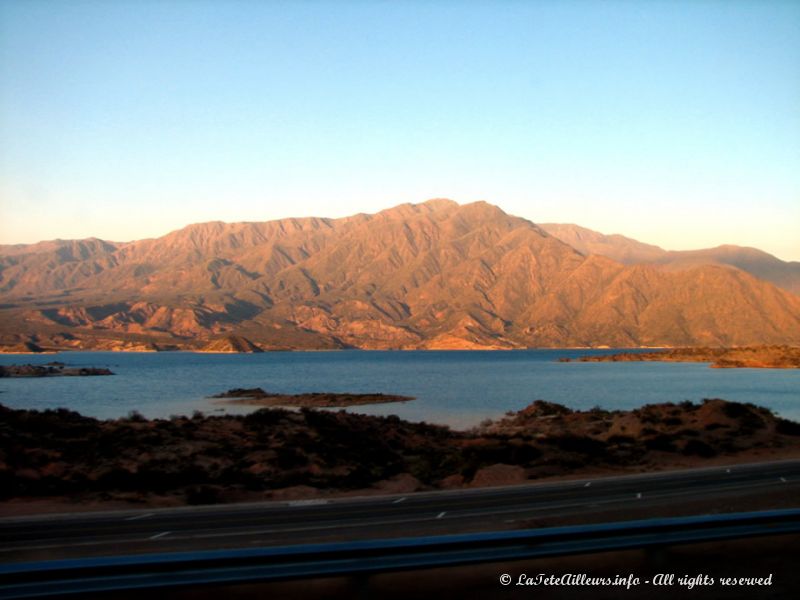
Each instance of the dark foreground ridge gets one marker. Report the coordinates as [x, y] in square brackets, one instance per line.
[54, 369]
[274, 453]
[259, 397]
[763, 357]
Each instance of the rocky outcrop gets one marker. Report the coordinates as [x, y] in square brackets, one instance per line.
[232, 344]
[22, 348]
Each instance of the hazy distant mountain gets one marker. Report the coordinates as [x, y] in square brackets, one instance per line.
[756, 262]
[616, 247]
[629, 251]
[432, 275]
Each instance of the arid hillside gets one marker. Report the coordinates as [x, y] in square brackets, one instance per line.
[431, 275]
[198, 460]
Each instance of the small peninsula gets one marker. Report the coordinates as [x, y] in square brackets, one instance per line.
[259, 397]
[754, 357]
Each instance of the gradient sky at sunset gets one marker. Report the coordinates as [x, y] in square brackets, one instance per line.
[677, 123]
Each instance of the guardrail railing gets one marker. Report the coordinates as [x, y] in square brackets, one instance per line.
[171, 570]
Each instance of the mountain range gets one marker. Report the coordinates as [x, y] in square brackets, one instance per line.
[435, 275]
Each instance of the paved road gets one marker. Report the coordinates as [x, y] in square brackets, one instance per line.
[429, 513]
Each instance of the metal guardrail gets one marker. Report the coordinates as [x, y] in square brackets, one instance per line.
[108, 574]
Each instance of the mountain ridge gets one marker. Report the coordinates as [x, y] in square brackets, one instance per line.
[430, 275]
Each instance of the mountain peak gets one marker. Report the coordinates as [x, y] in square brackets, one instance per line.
[440, 203]
[484, 209]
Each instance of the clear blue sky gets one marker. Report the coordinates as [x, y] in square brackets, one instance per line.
[677, 123]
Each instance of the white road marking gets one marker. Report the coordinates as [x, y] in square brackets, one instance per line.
[441, 514]
[137, 517]
[313, 528]
[310, 502]
[639, 496]
[766, 483]
[285, 530]
[466, 515]
[159, 535]
[399, 500]
[588, 483]
[727, 470]
[783, 479]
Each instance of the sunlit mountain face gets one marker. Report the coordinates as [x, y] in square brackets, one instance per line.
[431, 275]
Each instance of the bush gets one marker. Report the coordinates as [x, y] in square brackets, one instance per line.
[265, 417]
[136, 416]
[203, 494]
[621, 439]
[698, 448]
[688, 433]
[290, 458]
[662, 443]
[715, 426]
[580, 444]
[786, 427]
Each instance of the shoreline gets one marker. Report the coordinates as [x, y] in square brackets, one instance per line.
[267, 351]
[753, 357]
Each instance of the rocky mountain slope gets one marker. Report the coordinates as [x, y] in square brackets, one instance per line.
[628, 251]
[431, 275]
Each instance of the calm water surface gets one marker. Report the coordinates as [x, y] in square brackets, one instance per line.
[459, 389]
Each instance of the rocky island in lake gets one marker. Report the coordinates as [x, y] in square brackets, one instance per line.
[259, 397]
[53, 369]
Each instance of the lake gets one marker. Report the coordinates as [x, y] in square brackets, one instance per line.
[456, 388]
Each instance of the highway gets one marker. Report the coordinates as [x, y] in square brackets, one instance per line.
[426, 513]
